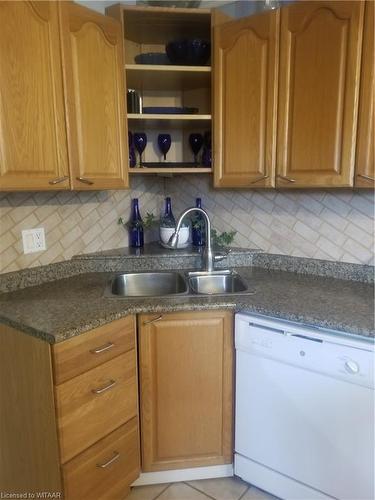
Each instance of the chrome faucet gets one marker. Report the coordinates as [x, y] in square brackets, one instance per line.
[208, 255]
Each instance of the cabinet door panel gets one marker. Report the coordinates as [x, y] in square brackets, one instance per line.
[93, 68]
[319, 81]
[365, 162]
[245, 65]
[186, 390]
[33, 144]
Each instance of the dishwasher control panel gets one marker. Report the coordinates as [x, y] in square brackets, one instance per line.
[306, 348]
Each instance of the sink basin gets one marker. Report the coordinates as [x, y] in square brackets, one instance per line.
[216, 283]
[147, 284]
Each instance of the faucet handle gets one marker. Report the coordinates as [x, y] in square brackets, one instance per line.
[221, 256]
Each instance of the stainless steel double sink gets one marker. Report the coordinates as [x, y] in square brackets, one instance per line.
[170, 283]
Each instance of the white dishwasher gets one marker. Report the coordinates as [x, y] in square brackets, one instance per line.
[304, 424]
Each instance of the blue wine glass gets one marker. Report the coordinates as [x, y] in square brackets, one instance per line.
[164, 143]
[140, 143]
[196, 142]
[207, 151]
[132, 160]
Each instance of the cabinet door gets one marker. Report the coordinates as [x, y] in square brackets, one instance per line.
[365, 168]
[33, 145]
[320, 49]
[245, 89]
[93, 71]
[186, 389]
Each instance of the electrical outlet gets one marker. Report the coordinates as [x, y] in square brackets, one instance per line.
[33, 240]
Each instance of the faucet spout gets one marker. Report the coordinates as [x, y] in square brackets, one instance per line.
[208, 253]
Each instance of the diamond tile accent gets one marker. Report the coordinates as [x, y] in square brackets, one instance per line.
[74, 222]
[332, 225]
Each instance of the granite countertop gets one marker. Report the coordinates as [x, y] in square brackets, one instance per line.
[61, 309]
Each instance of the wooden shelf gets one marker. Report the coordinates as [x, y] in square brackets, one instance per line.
[158, 25]
[163, 120]
[167, 77]
[194, 170]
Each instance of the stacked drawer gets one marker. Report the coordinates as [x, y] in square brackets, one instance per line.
[96, 398]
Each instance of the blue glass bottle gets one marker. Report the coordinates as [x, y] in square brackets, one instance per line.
[168, 220]
[135, 226]
[198, 224]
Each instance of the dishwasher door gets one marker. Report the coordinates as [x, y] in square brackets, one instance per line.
[304, 410]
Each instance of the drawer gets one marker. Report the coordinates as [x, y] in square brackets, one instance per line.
[90, 349]
[90, 406]
[106, 469]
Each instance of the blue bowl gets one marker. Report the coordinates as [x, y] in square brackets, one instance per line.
[188, 52]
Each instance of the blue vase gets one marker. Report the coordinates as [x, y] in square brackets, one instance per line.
[135, 226]
[198, 225]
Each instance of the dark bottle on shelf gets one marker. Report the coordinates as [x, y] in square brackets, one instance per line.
[198, 227]
[135, 226]
[167, 219]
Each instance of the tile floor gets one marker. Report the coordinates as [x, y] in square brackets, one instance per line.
[228, 488]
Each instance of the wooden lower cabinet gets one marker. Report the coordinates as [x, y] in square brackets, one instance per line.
[69, 412]
[186, 378]
[79, 436]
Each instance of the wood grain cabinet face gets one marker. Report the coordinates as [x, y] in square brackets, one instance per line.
[33, 143]
[365, 161]
[95, 403]
[186, 390]
[320, 49]
[245, 85]
[105, 470]
[93, 71]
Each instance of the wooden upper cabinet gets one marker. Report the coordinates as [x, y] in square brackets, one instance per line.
[186, 389]
[320, 55]
[365, 161]
[245, 86]
[94, 79]
[33, 144]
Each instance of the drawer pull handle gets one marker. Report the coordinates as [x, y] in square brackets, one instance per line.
[105, 388]
[58, 180]
[85, 181]
[260, 179]
[116, 456]
[366, 177]
[284, 178]
[153, 320]
[102, 348]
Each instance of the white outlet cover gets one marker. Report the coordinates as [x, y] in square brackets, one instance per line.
[33, 240]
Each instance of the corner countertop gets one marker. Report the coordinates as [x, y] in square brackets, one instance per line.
[61, 309]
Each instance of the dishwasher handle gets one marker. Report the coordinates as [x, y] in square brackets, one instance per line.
[268, 328]
[304, 337]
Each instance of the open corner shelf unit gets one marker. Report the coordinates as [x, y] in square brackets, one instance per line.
[149, 29]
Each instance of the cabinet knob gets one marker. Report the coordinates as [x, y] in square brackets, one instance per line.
[85, 181]
[105, 388]
[366, 177]
[260, 179]
[102, 348]
[153, 320]
[116, 456]
[58, 180]
[284, 178]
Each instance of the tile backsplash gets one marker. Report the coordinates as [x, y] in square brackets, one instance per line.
[332, 225]
[74, 222]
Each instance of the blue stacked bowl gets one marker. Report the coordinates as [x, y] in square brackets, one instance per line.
[189, 52]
